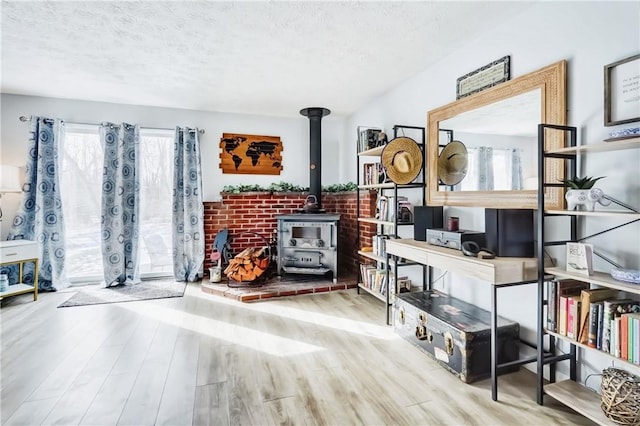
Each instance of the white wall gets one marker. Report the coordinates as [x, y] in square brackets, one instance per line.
[589, 36]
[294, 133]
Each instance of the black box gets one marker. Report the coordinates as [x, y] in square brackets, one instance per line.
[509, 232]
[454, 333]
[425, 217]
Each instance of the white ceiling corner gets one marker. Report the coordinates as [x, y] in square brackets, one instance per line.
[266, 58]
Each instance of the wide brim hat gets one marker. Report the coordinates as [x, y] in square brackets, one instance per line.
[453, 163]
[402, 160]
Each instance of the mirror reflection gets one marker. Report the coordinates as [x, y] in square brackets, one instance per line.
[501, 141]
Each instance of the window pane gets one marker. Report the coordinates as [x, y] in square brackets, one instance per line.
[156, 189]
[81, 181]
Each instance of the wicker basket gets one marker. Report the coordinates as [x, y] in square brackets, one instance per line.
[621, 396]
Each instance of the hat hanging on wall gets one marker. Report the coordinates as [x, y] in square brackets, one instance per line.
[453, 163]
[402, 159]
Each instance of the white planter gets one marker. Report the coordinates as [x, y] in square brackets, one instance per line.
[585, 197]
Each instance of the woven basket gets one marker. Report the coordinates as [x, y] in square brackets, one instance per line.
[621, 396]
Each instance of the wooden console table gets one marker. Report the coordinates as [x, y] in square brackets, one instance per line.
[499, 272]
[20, 252]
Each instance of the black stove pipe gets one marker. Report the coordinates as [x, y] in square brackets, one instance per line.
[315, 114]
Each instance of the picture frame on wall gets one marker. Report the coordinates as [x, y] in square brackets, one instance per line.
[622, 91]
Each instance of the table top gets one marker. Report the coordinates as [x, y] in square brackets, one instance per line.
[17, 243]
[501, 270]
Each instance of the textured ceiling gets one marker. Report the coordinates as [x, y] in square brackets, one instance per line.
[267, 58]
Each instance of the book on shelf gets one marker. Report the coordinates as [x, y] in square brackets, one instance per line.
[580, 258]
[600, 325]
[595, 310]
[616, 338]
[551, 306]
[382, 206]
[573, 316]
[624, 337]
[634, 338]
[587, 298]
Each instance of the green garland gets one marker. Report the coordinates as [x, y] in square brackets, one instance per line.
[287, 187]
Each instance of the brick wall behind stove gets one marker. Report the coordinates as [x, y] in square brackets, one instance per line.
[255, 212]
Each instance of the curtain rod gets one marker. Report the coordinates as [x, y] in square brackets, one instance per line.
[24, 119]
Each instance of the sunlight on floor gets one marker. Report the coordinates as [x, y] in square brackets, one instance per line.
[257, 340]
[275, 307]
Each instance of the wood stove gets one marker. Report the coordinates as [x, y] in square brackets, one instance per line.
[308, 244]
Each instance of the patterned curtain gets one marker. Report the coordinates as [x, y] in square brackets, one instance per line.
[120, 203]
[40, 215]
[485, 168]
[515, 162]
[188, 210]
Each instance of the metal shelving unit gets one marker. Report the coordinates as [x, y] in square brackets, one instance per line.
[391, 188]
[569, 392]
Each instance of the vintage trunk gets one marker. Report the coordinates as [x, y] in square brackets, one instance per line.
[455, 333]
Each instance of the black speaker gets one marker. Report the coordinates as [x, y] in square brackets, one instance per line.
[426, 217]
[510, 232]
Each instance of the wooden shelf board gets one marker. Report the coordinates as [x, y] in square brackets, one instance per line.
[16, 289]
[623, 214]
[598, 278]
[606, 146]
[376, 221]
[579, 398]
[373, 152]
[382, 297]
[582, 345]
[372, 256]
[386, 185]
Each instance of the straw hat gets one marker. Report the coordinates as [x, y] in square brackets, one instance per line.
[402, 159]
[453, 163]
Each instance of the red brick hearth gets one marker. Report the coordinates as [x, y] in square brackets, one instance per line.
[275, 288]
[255, 212]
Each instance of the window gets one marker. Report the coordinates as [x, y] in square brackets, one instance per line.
[495, 169]
[81, 182]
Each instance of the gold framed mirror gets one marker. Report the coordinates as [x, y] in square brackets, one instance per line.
[507, 114]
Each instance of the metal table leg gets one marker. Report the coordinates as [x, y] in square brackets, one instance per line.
[494, 341]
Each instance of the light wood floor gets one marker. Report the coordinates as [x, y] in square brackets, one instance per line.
[323, 359]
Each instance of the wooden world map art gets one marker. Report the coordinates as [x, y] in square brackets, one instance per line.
[250, 154]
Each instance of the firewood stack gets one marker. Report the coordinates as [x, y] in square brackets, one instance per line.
[248, 265]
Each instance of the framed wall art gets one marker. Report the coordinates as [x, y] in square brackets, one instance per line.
[250, 154]
[484, 77]
[622, 91]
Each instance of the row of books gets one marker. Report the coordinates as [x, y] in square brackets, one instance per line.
[598, 318]
[373, 173]
[385, 209]
[375, 279]
[369, 138]
[379, 246]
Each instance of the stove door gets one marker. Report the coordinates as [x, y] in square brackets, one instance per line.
[302, 259]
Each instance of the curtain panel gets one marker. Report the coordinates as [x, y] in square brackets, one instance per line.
[40, 217]
[120, 203]
[188, 210]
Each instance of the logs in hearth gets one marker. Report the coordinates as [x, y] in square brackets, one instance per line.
[248, 265]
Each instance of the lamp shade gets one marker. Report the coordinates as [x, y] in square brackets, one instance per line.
[10, 179]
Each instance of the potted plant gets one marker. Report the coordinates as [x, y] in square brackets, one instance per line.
[581, 183]
[582, 192]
